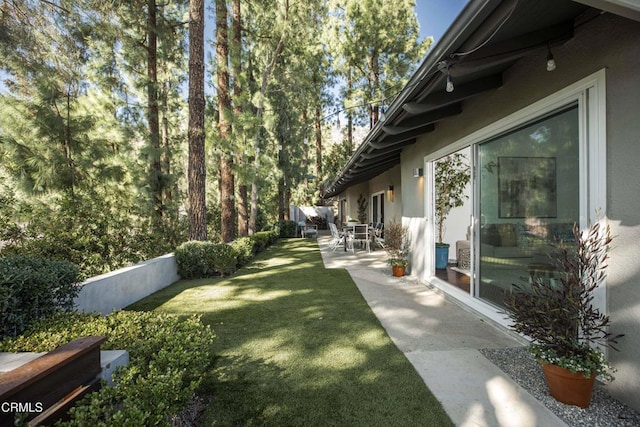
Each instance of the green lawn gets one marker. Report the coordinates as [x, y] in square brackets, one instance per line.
[297, 345]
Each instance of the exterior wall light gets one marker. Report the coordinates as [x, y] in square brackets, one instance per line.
[417, 172]
[450, 87]
[551, 62]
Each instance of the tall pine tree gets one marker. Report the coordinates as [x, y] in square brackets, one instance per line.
[197, 163]
[376, 44]
[227, 185]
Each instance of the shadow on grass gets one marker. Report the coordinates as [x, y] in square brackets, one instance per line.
[298, 345]
[277, 260]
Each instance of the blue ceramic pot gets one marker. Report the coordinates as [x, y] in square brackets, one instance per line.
[442, 256]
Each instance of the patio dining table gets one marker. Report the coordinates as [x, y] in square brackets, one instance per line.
[349, 233]
[347, 230]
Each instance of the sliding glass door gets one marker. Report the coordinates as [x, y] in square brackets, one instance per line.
[377, 208]
[534, 175]
[528, 188]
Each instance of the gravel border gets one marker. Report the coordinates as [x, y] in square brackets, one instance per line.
[604, 410]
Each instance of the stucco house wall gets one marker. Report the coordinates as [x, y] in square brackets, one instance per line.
[620, 49]
[378, 184]
[381, 183]
[610, 43]
[352, 195]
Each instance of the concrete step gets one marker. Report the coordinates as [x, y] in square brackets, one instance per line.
[110, 360]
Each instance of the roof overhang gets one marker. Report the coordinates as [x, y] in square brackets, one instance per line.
[486, 39]
[626, 8]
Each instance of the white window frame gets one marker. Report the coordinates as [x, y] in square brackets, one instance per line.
[590, 94]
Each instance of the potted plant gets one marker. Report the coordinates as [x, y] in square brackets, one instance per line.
[395, 235]
[362, 209]
[452, 175]
[559, 317]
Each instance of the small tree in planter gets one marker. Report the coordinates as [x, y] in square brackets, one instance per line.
[395, 243]
[561, 320]
[452, 175]
[362, 209]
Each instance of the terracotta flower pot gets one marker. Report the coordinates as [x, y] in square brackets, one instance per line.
[567, 387]
[398, 270]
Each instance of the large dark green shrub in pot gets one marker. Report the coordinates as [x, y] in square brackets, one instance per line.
[558, 315]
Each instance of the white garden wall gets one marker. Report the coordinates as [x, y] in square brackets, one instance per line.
[120, 288]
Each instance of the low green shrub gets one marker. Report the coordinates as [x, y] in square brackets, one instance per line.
[97, 235]
[288, 228]
[197, 259]
[205, 259]
[169, 357]
[261, 239]
[245, 249]
[10, 229]
[274, 235]
[32, 288]
[192, 259]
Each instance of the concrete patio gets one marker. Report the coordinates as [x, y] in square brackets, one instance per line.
[441, 339]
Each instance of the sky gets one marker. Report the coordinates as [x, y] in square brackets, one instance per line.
[435, 16]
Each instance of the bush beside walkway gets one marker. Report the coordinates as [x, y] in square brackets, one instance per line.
[298, 345]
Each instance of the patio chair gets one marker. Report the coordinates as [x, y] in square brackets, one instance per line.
[362, 236]
[309, 231]
[378, 234]
[337, 240]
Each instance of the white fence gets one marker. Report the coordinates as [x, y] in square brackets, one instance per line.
[120, 288]
[303, 213]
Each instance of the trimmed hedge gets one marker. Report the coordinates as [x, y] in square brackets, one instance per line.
[261, 240]
[288, 228]
[32, 288]
[206, 259]
[168, 358]
[245, 249]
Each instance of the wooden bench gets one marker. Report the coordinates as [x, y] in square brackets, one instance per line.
[47, 387]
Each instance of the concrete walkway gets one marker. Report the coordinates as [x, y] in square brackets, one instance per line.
[441, 339]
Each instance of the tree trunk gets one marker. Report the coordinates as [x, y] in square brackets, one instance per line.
[68, 144]
[287, 202]
[253, 215]
[375, 69]
[282, 183]
[227, 184]
[259, 111]
[349, 116]
[281, 207]
[155, 165]
[197, 166]
[319, 150]
[305, 158]
[236, 63]
[166, 145]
